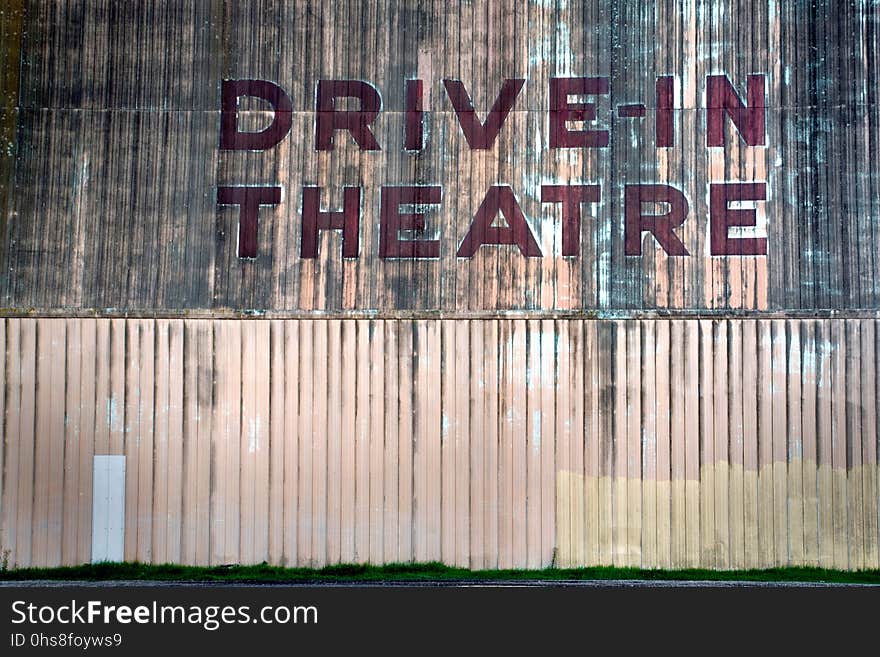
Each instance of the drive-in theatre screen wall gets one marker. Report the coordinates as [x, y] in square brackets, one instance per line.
[493, 283]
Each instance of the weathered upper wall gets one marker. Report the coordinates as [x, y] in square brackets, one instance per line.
[112, 164]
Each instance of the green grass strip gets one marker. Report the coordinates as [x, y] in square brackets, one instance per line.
[408, 572]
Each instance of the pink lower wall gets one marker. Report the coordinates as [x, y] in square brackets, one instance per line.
[484, 443]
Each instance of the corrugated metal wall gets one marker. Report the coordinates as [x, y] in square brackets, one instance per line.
[486, 443]
[493, 410]
[115, 159]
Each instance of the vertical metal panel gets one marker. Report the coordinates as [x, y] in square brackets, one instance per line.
[25, 439]
[289, 347]
[277, 455]
[362, 448]
[716, 443]
[304, 474]
[377, 438]
[490, 436]
[145, 344]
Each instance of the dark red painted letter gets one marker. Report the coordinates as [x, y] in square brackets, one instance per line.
[413, 129]
[250, 199]
[659, 225]
[393, 221]
[481, 136]
[314, 219]
[517, 231]
[561, 111]
[328, 119]
[230, 137]
[571, 197]
[721, 217]
[665, 128]
[721, 97]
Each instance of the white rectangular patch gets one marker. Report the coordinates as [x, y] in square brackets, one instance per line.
[108, 508]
